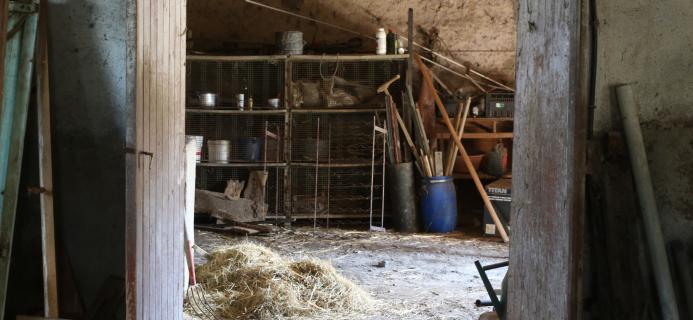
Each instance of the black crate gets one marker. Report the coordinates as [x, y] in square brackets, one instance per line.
[500, 195]
[500, 105]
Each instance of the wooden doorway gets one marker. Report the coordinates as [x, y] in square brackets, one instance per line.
[155, 163]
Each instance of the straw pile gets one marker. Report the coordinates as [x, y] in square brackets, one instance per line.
[250, 281]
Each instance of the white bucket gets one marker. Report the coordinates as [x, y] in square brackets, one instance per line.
[218, 151]
[199, 140]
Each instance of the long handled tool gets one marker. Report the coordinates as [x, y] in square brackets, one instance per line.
[468, 162]
[196, 295]
[460, 130]
[393, 137]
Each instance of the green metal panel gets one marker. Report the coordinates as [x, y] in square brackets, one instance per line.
[19, 55]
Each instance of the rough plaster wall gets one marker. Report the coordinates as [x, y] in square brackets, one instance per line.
[650, 43]
[87, 65]
[478, 32]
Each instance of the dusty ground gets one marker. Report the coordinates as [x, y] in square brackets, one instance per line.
[425, 276]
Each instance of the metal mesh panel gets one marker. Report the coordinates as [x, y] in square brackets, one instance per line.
[341, 192]
[215, 179]
[339, 138]
[259, 79]
[362, 79]
[245, 133]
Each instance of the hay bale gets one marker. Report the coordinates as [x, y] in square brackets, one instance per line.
[251, 281]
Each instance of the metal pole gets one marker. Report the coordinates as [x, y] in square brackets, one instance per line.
[276, 176]
[646, 198]
[265, 172]
[372, 170]
[382, 206]
[317, 169]
[329, 171]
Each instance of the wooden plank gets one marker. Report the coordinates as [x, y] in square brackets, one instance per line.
[549, 163]
[156, 285]
[13, 117]
[133, 177]
[43, 115]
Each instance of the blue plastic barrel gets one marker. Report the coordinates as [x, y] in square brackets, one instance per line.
[438, 204]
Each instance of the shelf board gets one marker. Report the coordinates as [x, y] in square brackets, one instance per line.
[334, 216]
[336, 165]
[236, 111]
[339, 110]
[303, 57]
[241, 164]
[349, 57]
[202, 57]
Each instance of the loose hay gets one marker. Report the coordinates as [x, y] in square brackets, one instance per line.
[251, 281]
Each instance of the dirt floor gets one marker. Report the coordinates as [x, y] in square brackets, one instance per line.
[425, 276]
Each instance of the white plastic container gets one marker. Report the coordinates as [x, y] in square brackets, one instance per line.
[199, 140]
[218, 151]
[380, 38]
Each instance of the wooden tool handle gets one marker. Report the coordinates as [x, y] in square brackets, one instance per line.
[463, 152]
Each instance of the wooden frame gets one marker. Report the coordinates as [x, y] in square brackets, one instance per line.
[155, 270]
[549, 163]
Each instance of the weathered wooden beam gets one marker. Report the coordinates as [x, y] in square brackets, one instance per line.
[50, 281]
[549, 163]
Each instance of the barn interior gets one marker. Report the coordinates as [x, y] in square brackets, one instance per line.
[304, 159]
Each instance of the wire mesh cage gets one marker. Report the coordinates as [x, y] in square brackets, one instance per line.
[216, 178]
[337, 192]
[331, 82]
[337, 138]
[258, 78]
[251, 137]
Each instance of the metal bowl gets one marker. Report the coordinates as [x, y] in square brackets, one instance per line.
[207, 99]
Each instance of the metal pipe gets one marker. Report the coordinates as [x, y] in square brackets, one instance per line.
[646, 199]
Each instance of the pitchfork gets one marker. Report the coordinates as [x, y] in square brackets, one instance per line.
[196, 295]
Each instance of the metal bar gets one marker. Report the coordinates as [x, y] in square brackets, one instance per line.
[487, 284]
[648, 204]
[484, 303]
[317, 162]
[496, 265]
[17, 88]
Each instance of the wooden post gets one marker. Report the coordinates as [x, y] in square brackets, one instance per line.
[50, 289]
[549, 162]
